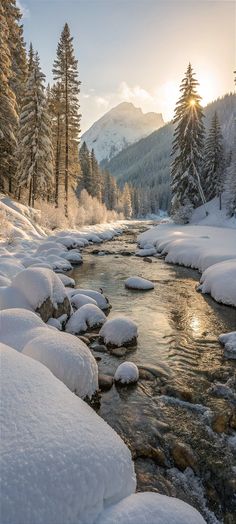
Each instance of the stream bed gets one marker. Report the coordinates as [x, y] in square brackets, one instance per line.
[179, 420]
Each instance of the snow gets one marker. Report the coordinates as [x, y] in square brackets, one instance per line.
[4, 281]
[10, 267]
[145, 252]
[30, 289]
[216, 217]
[121, 126]
[127, 373]
[54, 322]
[150, 508]
[68, 358]
[220, 281]
[80, 300]
[73, 257]
[138, 283]
[229, 342]
[61, 463]
[199, 247]
[66, 281]
[100, 299]
[119, 331]
[87, 316]
[65, 355]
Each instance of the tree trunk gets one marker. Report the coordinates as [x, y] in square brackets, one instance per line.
[220, 201]
[67, 144]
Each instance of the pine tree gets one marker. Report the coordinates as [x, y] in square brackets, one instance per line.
[17, 49]
[55, 103]
[127, 206]
[214, 165]
[86, 181]
[188, 143]
[65, 72]
[35, 144]
[8, 109]
[96, 177]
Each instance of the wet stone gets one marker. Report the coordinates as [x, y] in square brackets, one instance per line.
[145, 375]
[147, 259]
[100, 348]
[183, 456]
[105, 382]
[118, 352]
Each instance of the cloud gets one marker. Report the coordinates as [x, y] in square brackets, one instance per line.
[24, 10]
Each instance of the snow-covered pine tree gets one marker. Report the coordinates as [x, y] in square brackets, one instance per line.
[96, 177]
[230, 183]
[8, 112]
[65, 72]
[188, 143]
[35, 143]
[214, 161]
[17, 49]
[56, 111]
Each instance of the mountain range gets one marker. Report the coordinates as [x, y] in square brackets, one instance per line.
[120, 127]
[147, 162]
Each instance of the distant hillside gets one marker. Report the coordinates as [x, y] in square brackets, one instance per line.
[118, 128]
[147, 162]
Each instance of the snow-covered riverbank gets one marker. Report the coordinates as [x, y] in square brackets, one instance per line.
[211, 250]
[61, 463]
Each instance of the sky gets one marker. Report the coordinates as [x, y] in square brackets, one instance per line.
[137, 50]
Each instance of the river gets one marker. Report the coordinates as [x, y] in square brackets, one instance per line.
[178, 421]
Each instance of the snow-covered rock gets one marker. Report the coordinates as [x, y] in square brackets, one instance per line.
[145, 252]
[38, 289]
[138, 283]
[127, 373]
[54, 322]
[65, 355]
[79, 300]
[229, 342]
[121, 126]
[48, 245]
[68, 358]
[150, 508]
[61, 463]
[119, 331]
[220, 281]
[73, 256]
[66, 281]
[87, 316]
[70, 242]
[101, 300]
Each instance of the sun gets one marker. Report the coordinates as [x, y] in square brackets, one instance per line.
[192, 102]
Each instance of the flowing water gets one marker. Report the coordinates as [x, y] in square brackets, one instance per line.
[178, 421]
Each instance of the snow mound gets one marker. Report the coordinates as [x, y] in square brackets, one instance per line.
[229, 342]
[119, 331]
[9, 267]
[87, 316]
[150, 508]
[31, 288]
[68, 358]
[101, 300]
[71, 242]
[21, 219]
[66, 281]
[4, 281]
[73, 256]
[220, 281]
[54, 322]
[127, 373]
[138, 283]
[61, 463]
[80, 300]
[146, 252]
[48, 245]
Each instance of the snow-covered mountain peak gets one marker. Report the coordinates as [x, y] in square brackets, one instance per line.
[118, 128]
